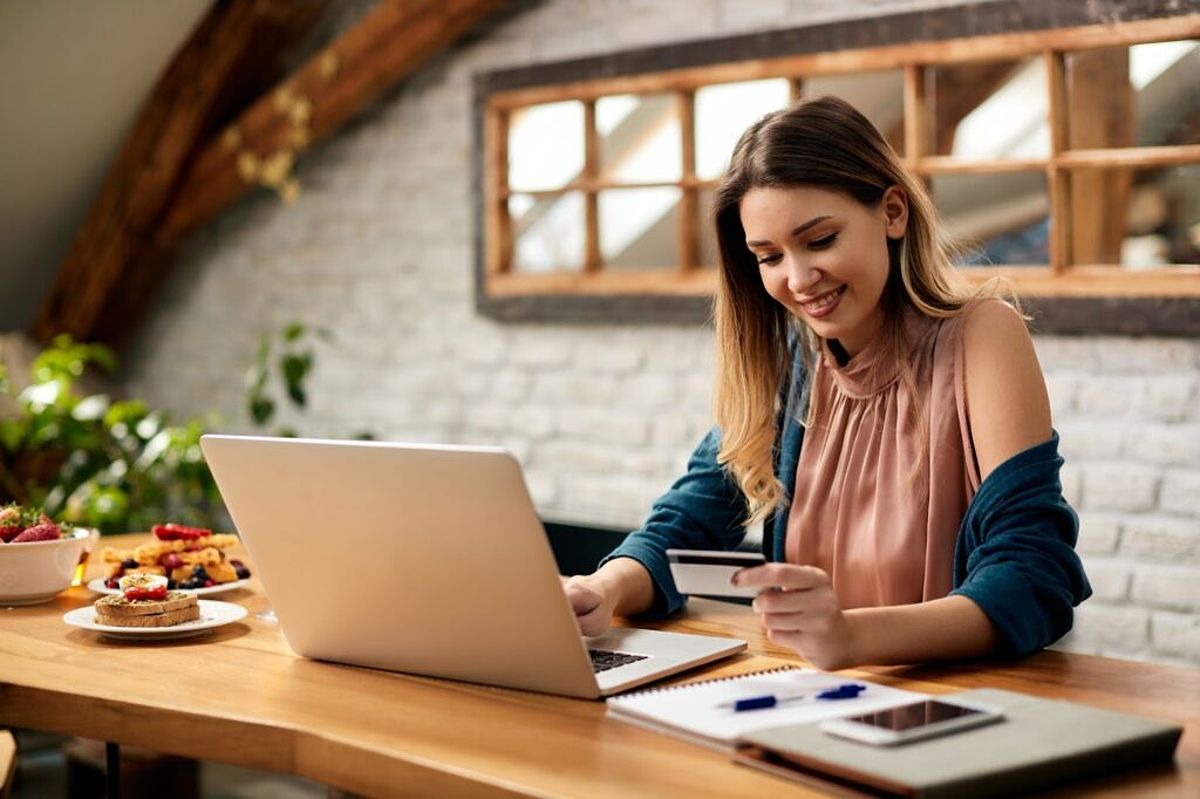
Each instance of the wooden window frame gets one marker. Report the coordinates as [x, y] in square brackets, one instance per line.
[1064, 297]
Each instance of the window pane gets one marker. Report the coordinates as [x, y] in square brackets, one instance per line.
[1140, 219]
[990, 110]
[996, 219]
[723, 113]
[878, 95]
[1145, 95]
[548, 232]
[639, 228]
[640, 139]
[545, 146]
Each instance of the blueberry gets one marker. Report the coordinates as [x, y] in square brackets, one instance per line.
[190, 584]
[242, 572]
[171, 584]
[129, 563]
[199, 572]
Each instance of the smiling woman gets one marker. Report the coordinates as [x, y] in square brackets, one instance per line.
[922, 518]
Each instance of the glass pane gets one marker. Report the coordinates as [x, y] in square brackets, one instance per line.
[1140, 219]
[545, 146]
[548, 232]
[990, 110]
[996, 219]
[878, 95]
[723, 113]
[639, 228]
[640, 140]
[1145, 95]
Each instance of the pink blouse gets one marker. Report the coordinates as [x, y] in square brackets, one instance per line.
[883, 482]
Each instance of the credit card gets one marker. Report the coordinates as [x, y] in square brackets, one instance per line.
[702, 571]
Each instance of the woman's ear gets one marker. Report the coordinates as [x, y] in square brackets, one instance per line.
[895, 212]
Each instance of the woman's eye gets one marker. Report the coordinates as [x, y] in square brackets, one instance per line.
[767, 260]
[823, 242]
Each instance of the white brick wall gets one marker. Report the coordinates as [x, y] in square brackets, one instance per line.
[1129, 431]
[378, 250]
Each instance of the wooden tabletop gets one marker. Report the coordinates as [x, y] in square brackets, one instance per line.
[240, 696]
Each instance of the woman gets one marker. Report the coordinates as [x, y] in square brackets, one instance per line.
[922, 518]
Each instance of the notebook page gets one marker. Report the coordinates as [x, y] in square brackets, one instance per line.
[704, 709]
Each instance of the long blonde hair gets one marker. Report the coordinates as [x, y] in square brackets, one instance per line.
[823, 142]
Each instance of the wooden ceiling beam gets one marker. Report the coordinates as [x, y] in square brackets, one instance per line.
[238, 44]
[390, 43]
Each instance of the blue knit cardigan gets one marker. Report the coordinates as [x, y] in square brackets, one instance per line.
[1014, 555]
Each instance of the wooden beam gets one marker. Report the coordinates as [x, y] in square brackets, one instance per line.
[688, 232]
[1012, 45]
[498, 241]
[391, 43]
[1058, 180]
[260, 147]
[1100, 114]
[592, 146]
[220, 64]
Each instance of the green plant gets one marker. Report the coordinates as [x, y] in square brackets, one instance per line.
[294, 360]
[119, 465]
[112, 464]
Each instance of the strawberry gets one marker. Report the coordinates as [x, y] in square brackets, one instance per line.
[11, 523]
[175, 532]
[142, 592]
[39, 532]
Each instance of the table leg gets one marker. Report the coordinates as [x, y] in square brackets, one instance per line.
[112, 768]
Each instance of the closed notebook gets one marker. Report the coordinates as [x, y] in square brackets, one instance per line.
[1039, 744]
[703, 711]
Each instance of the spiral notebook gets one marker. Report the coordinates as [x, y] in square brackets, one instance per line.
[704, 712]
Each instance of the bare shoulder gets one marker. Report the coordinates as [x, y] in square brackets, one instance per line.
[1007, 404]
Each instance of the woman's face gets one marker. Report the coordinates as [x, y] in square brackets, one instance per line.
[824, 256]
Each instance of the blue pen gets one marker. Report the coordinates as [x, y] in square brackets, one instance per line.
[846, 691]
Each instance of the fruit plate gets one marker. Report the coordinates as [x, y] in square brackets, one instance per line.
[99, 587]
[212, 614]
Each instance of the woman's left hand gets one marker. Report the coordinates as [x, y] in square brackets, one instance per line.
[800, 611]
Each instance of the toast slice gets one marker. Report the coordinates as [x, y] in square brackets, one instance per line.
[179, 616]
[117, 606]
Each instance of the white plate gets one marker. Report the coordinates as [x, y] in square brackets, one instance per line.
[99, 587]
[212, 614]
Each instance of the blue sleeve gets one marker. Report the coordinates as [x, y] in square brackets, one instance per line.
[1015, 554]
[704, 509]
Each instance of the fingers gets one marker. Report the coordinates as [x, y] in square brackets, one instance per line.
[591, 614]
[781, 575]
[595, 622]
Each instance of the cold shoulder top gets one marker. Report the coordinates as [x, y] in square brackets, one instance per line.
[885, 477]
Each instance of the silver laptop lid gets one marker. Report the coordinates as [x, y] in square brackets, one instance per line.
[415, 558]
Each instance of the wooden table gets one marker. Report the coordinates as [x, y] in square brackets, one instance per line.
[241, 696]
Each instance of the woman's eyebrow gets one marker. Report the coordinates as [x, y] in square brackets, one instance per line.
[795, 232]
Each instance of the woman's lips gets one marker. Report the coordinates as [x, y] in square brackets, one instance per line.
[824, 304]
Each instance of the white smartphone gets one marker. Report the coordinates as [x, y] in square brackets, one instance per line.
[913, 722]
[707, 572]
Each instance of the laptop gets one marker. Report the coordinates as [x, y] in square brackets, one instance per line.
[425, 559]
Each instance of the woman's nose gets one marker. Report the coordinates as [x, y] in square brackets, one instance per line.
[801, 276]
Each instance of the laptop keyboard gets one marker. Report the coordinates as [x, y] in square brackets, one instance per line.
[603, 660]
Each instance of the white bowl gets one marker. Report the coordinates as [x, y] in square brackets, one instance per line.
[36, 571]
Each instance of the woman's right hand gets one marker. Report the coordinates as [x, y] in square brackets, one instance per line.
[593, 608]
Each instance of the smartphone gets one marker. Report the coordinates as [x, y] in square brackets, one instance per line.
[705, 572]
[913, 722]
